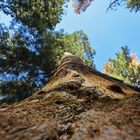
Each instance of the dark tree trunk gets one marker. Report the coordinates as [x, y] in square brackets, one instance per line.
[77, 103]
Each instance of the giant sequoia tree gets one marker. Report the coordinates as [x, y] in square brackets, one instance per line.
[77, 103]
[31, 49]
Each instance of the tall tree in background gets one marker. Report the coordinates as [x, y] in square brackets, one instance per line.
[125, 67]
[30, 50]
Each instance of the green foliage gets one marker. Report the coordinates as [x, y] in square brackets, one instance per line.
[125, 67]
[37, 14]
[16, 90]
[27, 62]
[31, 49]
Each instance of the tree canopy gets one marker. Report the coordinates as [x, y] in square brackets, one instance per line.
[125, 67]
[30, 49]
[38, 14]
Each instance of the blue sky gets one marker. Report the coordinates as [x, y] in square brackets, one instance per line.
[107, 32]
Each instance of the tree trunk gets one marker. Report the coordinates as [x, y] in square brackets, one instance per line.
[78, 103]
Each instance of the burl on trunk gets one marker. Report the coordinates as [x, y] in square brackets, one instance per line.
[77, 103]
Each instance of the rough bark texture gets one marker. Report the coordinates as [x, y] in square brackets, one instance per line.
[77, 103]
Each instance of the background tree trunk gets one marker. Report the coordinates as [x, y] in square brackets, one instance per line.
[76, 103]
